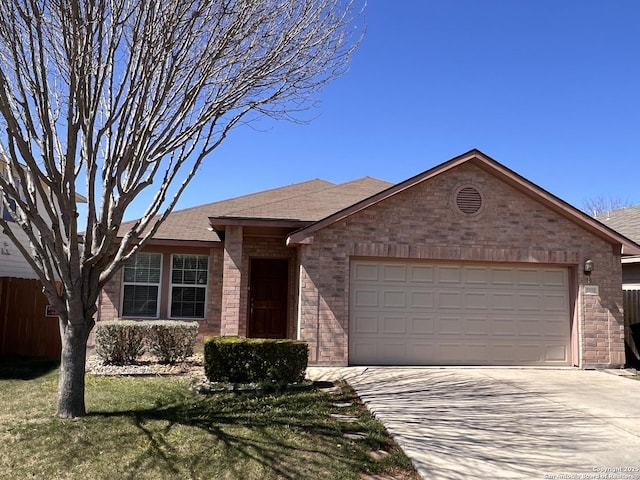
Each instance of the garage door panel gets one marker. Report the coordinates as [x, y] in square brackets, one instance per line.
[556, 303]
[529, 302]
[422, 325]
[451, 299]
[471, 352]
[365, 323]
[413, 313]
[365, 298]
[530, 327]
[363, 272]
[421, 274]
[476, 275]
[529, 278]
[449, 274]
[421, 300]
[447, 325]
[394, 324]
[558, 353]
[394, 273]
[394, 299]
[417, 350]
[502, 276]
[366, 351]
[476, 301]
[475, 327]
[502, 301]
[394, 352]
[503, 327]
[554, 278]
[447, 351]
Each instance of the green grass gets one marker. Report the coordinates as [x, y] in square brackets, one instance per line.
[156, 428]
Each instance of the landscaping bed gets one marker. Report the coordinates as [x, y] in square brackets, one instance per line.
[148, 365]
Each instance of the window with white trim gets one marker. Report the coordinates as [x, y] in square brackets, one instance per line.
[189, 278]
[141, 285]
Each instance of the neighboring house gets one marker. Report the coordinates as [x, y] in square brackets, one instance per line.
[12, 263]
[626, 221]
[467, 263]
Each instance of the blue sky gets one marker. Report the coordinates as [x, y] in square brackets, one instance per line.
[549, 88]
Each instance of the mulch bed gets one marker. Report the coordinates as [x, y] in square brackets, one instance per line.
[148, 365]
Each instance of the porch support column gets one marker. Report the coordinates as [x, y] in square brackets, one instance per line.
[231, 280]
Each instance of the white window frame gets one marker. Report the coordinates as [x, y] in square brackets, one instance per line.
[203, 286]
[148, 284]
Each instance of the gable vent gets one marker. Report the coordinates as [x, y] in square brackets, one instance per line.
[469, 200]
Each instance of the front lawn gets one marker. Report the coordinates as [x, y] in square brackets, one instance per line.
[156, 428]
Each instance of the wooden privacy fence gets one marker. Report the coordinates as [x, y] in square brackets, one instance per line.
[631, 304]
[24, 327]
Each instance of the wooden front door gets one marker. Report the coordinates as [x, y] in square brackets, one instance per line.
[268, 297]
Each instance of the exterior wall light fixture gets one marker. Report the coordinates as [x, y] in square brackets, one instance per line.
[588, 268]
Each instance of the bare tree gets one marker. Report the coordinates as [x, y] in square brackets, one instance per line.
[109, 97]
[595, 206]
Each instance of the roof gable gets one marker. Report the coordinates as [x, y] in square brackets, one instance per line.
[494, 168]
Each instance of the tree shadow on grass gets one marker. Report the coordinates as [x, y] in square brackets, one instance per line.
[285, 434]
[25, 368]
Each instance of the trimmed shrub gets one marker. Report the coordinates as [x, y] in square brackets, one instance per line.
[171, 341]
[124, 341]
[119, 341]
[253, 360]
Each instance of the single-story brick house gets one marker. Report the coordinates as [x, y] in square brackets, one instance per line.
[467, 263]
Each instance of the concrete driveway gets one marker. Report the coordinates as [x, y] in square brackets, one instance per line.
[481, 423]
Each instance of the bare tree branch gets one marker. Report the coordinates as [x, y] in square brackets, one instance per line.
[111, 98]
[595, 206]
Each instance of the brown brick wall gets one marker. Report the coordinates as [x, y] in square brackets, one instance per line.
[231, 281]
[424, 223]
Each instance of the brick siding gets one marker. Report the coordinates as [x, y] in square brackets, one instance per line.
[424, 223]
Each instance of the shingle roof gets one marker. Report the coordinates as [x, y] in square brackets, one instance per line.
[306, 201]
[625, 221]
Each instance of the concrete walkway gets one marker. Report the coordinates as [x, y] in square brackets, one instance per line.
[481, 423]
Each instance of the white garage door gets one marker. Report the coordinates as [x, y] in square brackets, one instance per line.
[443, 314]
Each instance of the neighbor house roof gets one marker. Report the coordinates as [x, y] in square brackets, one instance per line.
[297, 205]
[496, 169]
[626, 221]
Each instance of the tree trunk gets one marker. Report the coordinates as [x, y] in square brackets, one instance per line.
[72, 369]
